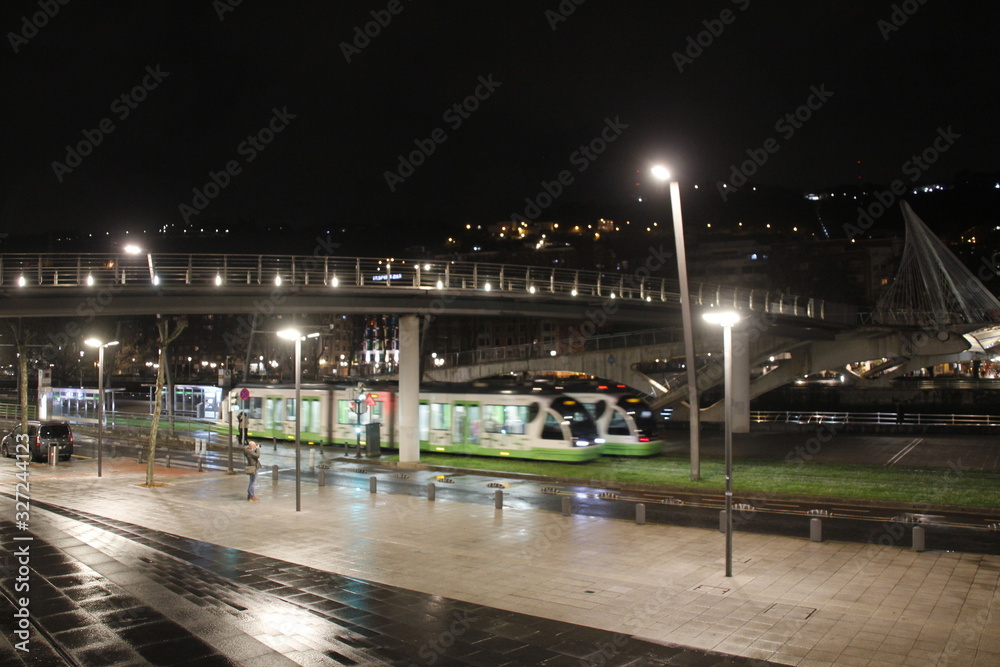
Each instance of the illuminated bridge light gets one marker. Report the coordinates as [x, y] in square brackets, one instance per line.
[90, 280]
[218, 279]
[334, 281]
[277, 280]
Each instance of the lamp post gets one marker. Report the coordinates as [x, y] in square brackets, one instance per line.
[94, 342]
[296, 335]
[727, 319]
[663, 174]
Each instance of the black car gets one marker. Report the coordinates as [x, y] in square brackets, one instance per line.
[41, 436]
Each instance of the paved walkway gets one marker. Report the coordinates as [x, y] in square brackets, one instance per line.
[790, 601]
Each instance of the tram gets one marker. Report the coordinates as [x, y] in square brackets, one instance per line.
[627, 423]
[520, 422]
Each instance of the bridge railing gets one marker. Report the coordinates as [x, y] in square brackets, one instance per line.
[207, 270]
[871, 418]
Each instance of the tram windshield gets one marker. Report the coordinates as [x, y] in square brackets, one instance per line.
[576, 415]
[641, 413]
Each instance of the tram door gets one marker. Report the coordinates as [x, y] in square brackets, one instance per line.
[274, 416]
[465, 423]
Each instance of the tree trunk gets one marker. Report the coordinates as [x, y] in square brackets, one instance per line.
[155, 425]
[163, 327]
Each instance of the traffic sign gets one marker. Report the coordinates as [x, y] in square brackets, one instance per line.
[369, 400]
[244, 394]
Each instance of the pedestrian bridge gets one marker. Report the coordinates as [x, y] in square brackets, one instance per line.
[94, 284]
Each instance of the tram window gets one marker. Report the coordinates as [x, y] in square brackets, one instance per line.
[290, 409]
[423, 421]
[441, 416]
[552, 429]
[618, 425]
[505, 419]
[256, 408]
[345, 415]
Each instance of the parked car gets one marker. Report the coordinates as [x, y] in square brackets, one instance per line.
[41, 436]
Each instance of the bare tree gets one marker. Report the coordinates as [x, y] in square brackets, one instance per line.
[165, 338]
[21, 339]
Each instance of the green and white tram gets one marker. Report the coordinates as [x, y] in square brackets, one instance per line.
[530, 423]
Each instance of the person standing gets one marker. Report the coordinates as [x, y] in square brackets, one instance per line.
[241, 420]
[252, 455]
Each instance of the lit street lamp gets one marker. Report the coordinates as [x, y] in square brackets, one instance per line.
[661, 173]
[727, 319]
[93, 342]
[296, 335]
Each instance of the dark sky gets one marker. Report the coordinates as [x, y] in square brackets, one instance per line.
[608, 64]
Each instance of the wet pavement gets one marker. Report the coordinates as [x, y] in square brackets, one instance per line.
[191, 573]
[110, 592]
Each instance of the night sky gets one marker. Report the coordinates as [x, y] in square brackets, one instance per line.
[302, 120]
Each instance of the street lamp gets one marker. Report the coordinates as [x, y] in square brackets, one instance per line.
[727, 319]
[93, 342]
[661, 173]
[296, 335]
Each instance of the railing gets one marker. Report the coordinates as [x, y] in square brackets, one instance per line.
[149, 271]
[871, 418]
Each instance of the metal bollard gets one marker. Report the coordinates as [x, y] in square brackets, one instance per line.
[321, 478]
[199, 464]
[312, 458]
[498, 499]
[722, 521]
[640, 514]
[347, 447]
[54, 455]
[816, 530]
[566, 509]
[372, 484]
[274, 474]
[168, 459]
[918, 538]
[431, 490]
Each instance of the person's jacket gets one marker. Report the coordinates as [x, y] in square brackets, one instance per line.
[253, 457]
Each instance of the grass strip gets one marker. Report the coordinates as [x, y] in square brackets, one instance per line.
[933, 486]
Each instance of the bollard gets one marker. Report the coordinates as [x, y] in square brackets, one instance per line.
[640, 514]
[321, 478]
[168, 459]
[54, 455]
[498, 499]
[565, 506]
[312, 458]
[722, 521]
[372, 484]
[347, 447]
[274, 474]
[918, 538]
[431, 490]
[199, 465]
[816, 530]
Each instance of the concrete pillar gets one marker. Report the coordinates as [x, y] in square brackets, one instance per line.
[741, 382]
[409, 388]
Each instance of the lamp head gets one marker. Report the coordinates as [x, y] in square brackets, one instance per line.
[661, 173]
[725, 318]
[290, 334]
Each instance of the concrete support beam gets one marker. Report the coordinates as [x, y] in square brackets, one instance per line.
[741, 382]
[409, 388]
